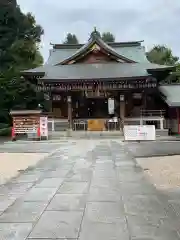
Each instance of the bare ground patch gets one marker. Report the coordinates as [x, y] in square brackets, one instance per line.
[163, 172]
[12, 163]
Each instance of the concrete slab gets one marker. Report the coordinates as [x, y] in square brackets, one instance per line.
[62, 225]
[68, 202]
[39, 194]
[143, 205]
[14, 190]
[50, 183]
[104, 231]
[15, 231]
[23, 212]
[5, 202]
[105, 212]
[74, 188]
[87, 189]
[98, 194]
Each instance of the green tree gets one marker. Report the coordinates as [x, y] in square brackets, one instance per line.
[162, 55]
[20, 35]
[108, 37]
[71, 39]
[19, 50]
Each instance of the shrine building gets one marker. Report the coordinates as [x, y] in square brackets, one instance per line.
[99, 80]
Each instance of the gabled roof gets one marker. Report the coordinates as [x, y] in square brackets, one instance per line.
[95, 39]
[135, 52]
[132, 56]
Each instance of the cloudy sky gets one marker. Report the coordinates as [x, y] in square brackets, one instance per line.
[154, 21]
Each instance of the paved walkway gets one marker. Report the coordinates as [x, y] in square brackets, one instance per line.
[87, 190]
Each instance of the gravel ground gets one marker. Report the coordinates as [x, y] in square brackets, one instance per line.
[163, 172]
[12, 163]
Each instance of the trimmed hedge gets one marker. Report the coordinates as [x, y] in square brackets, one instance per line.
[5, 132]
[4, 125]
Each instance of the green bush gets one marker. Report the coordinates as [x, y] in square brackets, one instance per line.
[5, 132]
[3, 125]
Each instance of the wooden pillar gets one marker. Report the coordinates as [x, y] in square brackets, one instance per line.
[122, 107]
[129, 105]
[178, 119]
[122, 110]
[51, 106]
[144, 96]
[69, 105]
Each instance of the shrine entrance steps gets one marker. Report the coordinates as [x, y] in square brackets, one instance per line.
[86, 134]
[162, 132]
[55, 135]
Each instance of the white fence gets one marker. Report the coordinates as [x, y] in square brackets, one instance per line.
[152, 113]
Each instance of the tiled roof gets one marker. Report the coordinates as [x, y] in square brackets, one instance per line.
[97, 71]
[133, 52]
[171, 94]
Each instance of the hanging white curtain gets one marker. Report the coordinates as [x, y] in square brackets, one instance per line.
[111, 106]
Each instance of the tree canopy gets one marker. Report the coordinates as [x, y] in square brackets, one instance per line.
[71, 39]
[19, 50]
[162, 55]
[108, 37]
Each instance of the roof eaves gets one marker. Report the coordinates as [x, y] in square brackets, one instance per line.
[67, 46]
[171, 103]
[167, 97]
[35, 71]
[161, 68]
[28, 73]
[125, 44]
[57, 80]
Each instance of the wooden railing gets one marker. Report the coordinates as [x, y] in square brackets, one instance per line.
[152, 113]
[53, 115]
[109, 125]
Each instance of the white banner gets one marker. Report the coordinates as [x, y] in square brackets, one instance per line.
[139, 133]
[44, 126]
[111, 106]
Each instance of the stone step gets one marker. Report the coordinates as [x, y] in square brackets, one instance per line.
[63, 132]
[162, 132]
[85, 134]
[59, 125]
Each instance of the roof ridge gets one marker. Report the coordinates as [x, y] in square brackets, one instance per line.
[79, 45]
[95, 39]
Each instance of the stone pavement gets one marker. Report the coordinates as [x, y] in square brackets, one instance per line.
[154, 148]
[87, 189]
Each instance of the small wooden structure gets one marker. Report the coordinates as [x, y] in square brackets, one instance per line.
[26, 122]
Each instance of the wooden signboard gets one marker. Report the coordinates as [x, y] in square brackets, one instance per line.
[96, 125]
[25, 122]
